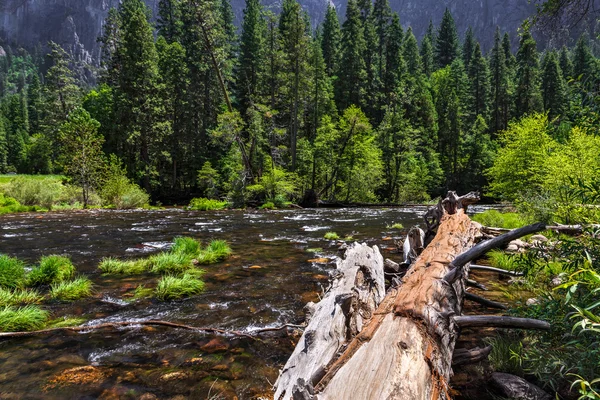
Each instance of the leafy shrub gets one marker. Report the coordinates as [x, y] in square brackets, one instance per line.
[72, 290]
[10, 205]
[203, 204]
[118, 191]
[111, 265]
[18, 296]
[72, 195]
[12, 272]
[171, 287]
[331, 236]
[30, 191]
[26, 318]
[52, 269]
[497, 219]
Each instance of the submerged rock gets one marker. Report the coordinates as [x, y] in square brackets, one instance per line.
[514, 387]
[215, 345]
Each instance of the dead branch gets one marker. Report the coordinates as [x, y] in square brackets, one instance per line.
[495, 321]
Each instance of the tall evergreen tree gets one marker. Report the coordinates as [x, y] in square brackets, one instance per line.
[330, 41]
[583, 60]
[3, 147]
[499, 82]
[382, 17]
[252, 62]
[566, 65]
[553, 87]
[479, 77]
[410, 53]
[468, 48]
[511, 61]
[528, 97]
[34, 96]
[427, 56]
[169, 23]
[352, 75]
[394, 62]
[447, 45]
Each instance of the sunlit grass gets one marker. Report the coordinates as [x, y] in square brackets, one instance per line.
[72, 290]
[12, 272]
[396, 225]
[17, 297]
[202, 204]
[171, 287]
[497, 219]
[502, 260]
[331, 236]
[170, 262]
[52, 269]
[65, 322]
[185, 245]
[26, 318]
[111, 265]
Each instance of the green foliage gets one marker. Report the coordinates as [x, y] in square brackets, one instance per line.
[217, 250]
[31, 191]
[118, 191]
[331, 236]
[111, 265]
[203, 204]
[497, 219]
[28, 318]
[502, 260]
[18, 297]
[269, 205]
[170, 262]
[65, 322]
[142, 292]
[71, 290]
[52, 269]
[396, 225]
[10, 205]
[185, 245]
[172, 287]
[12, 272]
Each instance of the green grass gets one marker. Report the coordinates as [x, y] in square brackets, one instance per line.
[331, 236]
[65, 322]
[171, 287]
[111, 265]
[397, 225]
[52, 269]
[18, 296]
[500, 259]
[28, 318]
[141, 292]
[5, 178]
[269, 205]
[216, 251]
[12, 272]
[170, 262]
[72, 290]
[496, 219]
[203, 204]
[9, 205]
[186, 245]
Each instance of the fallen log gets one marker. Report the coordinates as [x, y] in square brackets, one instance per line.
[484, 302]
[494, 269]
[472, 356]
[497, 321]
[475, 284]
[405, 350]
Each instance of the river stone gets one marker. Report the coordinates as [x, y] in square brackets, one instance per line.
[514, 387]
[215, 345]
[148, 396]
[538, 238]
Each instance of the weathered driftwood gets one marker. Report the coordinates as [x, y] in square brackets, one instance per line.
[355, 293]
[494, 269]
[498, 321]
[484, 302]
[470, 356]
[475, 284]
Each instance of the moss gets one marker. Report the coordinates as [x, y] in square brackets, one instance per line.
[28, 318]
[171, 287]
[17, 297]
[331, 236]
[72, 290]
[203, 204]
[12, 272]
[111, 265]
[52, 269]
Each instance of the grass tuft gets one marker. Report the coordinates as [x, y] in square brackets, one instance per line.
[18, 296]
[170, 262]
[111, 265]
[497, 219]
[72, 290]
[52, 269]
[65, 322]
[12, 272]
[216, 251]
[203, 204]
[396, 225]
[28, 318]
[171, 287]
[141, 292]
[502, 260]
[331, 236]
[186, 245]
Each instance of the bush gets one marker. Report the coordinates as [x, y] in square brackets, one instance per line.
[10, 205]
[497, 219]
[12, 272]
[331, 236]
[73, 290]
[118, 191]
[52, 269]
[269, 205]
[73, 196]
[111, 265]
[18, 296]
[203, 204]
[171, 287]
[28, 318]
[31, 191]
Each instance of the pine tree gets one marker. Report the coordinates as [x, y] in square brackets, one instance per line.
[252, 63]
[394, 62]
[3, 147]
[109, 42]
[352, 75]
[468, 48]
[553, 87]
[528, 97]
[427, 57]
[410, 53]
[34, 95]
[168, 22]
[499, 82]
[382, 17]
[583, 60]
[566, 65]
[330, 41]
[511, 61]
[374, 68]
[479, 77]
[446, 45]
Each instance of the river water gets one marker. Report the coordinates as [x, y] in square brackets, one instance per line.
[163, 363]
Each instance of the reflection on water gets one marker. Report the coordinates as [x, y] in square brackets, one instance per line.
[265, 283]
